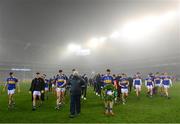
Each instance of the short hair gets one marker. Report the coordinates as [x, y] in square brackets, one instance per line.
[108, 70]
[37, 73]
[73, 69]
[11, 73]
[60, 71]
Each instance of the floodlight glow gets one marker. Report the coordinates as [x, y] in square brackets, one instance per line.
[74, 47]
[102, 39]
[20, 69]
[145, 26]
[83, 52]
[130, 31]
[93, 43]
[170, 14]
[137, 29]
[115, 34]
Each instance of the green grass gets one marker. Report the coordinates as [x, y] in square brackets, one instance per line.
[158, 109]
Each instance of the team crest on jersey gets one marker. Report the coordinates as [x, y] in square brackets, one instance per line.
[11, 82]
[108, 81]
[60, 80]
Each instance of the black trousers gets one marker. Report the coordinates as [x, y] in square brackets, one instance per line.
[130, 86]
[84, 90]
[75, 104]
[95, 87]
[42, 96]
[98, 90]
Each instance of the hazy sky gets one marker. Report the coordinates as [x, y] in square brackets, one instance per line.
[38, 31]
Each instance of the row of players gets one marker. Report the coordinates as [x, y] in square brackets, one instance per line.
[40, 85]
[153, 83]
[121, 83]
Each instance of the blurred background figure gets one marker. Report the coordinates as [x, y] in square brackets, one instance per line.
[84, 87]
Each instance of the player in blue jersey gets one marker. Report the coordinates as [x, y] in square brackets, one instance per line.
[11, 85]
[67, 89]
[108, 80]
[60, 88]
[124, 83]
[157, 83]
[166, 82]
[137, 83]
[150, 85]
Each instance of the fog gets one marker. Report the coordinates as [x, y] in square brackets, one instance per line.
[36, 33]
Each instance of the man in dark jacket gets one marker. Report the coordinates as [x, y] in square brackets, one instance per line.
[37, 87]
[76, 83]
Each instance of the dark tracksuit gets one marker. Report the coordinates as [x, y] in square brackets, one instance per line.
[76, 83]
[95, 84]
[99, 84]
[43, 87]
[37, 84]
[130, 83]
[84, 88]
[118, 86]
[90, 82]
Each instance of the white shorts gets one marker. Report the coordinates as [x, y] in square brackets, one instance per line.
[60, 89]
[46, 89]
[166, 86]
[158, 85]
[36, 93]
[138, 87]
[53, 85]
[10, 92]
[124, 90]
[149, 86]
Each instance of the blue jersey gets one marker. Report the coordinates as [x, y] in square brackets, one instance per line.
[137, 81]
[157, 80]
[46, 83]
[149, 81]
[11, 83]
[107, 79]
[123, 83]
[60, 80]
[166, 80]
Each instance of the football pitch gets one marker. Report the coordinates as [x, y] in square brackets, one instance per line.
[157, 109]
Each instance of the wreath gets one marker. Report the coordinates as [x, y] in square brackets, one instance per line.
[109, 92]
